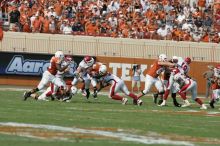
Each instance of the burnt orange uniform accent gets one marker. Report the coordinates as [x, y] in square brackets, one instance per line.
[96, 67]
[155, 70]
[52, 68]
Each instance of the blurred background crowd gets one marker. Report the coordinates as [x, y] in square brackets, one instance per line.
[179, 20]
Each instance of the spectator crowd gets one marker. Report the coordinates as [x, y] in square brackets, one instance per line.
[179, 20]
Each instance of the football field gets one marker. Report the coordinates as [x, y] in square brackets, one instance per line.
[104, 122]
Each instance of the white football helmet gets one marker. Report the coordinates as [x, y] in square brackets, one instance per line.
[162, 57]
[175, 59]
[102, 69]
[60, 55]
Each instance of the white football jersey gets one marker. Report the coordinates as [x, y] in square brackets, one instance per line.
[110, 78]
[185, 67]
[216, 72]
[84, 66]
[181, 78]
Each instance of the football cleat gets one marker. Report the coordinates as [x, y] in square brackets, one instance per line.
[212, 104]
[124, 101]
[163, 103]
[160, 101]
[134, 101]
[203, 107]
[176, 104]
[139, 102]
[95, 94]
[186, 104]
[67, 98]
[26, 95]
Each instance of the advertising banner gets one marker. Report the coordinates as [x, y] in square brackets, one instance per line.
[28, 64]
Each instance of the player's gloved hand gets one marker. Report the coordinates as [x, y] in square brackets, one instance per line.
[76, 75]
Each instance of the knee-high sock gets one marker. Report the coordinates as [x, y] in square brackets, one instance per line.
[182, 95]
[117, 97]
[199, 101]
[166, 94]
[132, 95]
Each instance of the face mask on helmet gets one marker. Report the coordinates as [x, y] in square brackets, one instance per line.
[163, 57]
[187, 60]
[89, 60]
[174, 59]
[60, 55]
[69, 58]
[218, 67]
[102, 70]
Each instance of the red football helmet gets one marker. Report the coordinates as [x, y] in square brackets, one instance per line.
[188, 60]
[89, 60]
[68, 58]
[218, 66]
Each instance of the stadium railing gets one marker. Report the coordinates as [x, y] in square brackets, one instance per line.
[106, 46]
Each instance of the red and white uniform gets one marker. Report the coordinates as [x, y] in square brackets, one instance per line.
[187, 84]
[50, 90]
[117, 85]
[83, 74]
[152, 78]
[49, 74]
[185, 66]
[171, 84]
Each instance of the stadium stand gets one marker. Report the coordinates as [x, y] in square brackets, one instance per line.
[179, 20]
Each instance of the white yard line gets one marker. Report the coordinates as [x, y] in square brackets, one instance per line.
[112, 134]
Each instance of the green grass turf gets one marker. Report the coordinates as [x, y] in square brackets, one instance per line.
[107, 113]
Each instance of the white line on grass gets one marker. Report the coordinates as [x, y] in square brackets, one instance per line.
[113, 134]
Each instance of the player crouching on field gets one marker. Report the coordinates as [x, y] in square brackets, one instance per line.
[117, 85]
[187, 84]
[49, 74]
[95, 77]
[215, 86]
[62, 94]
[82, 74]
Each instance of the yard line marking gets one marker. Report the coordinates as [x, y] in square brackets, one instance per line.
[111, 134]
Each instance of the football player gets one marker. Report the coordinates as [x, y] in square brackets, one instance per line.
[82, 73]
[117, 85]
[153, 73]
[187, 84]
[215, 86]
[49, 74]
[94, 76]
[168, 82]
